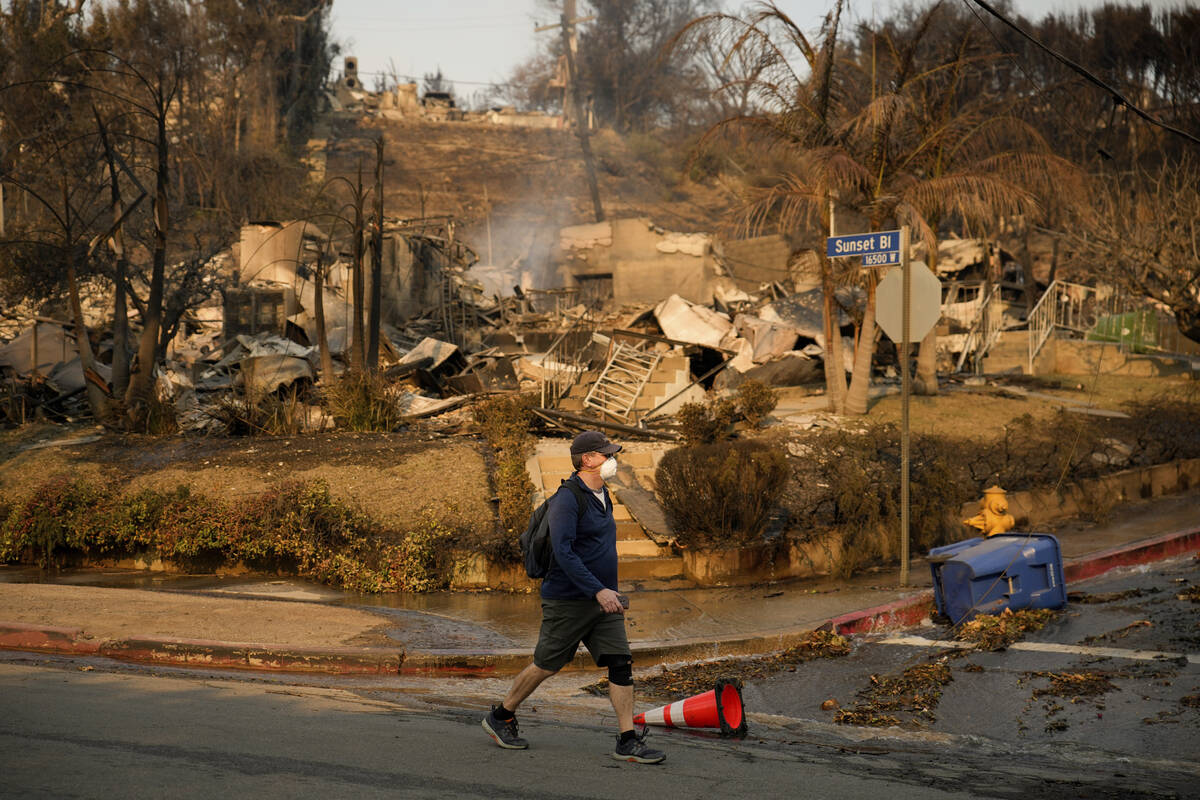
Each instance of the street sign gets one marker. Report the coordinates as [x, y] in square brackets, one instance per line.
[877, 249]
[925, 307]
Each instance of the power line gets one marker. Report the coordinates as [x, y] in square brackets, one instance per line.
[1116, 95]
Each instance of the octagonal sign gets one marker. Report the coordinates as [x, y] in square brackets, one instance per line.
[925, 303]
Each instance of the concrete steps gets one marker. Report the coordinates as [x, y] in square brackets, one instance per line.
[1010, 353]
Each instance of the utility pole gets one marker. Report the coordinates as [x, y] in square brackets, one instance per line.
[573, 110]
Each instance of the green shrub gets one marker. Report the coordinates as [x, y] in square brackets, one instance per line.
[719, 495]
[363, 401]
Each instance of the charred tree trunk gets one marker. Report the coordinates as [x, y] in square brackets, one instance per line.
[319, 309]
[120, 358]
[373, 322]
[357, 350]
[141, 383]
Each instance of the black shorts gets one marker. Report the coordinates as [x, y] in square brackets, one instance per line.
[566, 623]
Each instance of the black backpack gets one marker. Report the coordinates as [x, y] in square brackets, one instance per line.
[536, 548]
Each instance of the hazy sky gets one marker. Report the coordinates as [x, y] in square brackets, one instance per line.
[477, 42]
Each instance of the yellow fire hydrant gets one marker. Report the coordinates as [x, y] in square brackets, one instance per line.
[993, 516]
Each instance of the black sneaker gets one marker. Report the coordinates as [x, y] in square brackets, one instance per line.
[504, 731]
[635, 750]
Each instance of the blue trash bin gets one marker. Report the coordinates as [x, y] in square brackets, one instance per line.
[986, 576]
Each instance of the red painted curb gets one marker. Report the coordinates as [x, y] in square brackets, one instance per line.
[896, 614]
[1143, 552]
[46, 638]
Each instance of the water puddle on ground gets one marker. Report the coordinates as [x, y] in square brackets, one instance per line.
[429, 621]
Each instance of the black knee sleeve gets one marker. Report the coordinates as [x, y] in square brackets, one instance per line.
[621, 674]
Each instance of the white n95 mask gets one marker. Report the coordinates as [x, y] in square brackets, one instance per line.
[608, 469]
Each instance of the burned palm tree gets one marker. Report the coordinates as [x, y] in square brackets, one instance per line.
[888, 134]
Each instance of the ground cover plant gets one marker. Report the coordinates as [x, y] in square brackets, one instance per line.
[295, 528]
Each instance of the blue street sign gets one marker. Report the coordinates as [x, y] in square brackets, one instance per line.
[866, 244]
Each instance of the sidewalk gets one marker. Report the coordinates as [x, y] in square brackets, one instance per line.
[256, 623]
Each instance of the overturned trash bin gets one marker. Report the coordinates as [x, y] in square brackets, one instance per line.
[1006, 570]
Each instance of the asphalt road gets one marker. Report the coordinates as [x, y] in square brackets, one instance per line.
[1113, 681]
[94, 728]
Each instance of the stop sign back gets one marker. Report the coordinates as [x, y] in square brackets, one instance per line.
[925, 303]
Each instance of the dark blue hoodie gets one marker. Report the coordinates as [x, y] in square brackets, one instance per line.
[585, 547]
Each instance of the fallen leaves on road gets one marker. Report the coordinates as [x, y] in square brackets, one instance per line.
[1190, 700]
[996, 632]
[1074, 686]
[1192, 593]
[693, 679]
[915, 693]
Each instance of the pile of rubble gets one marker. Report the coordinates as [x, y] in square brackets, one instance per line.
[600, 348]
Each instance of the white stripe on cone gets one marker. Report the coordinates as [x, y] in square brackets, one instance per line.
[669, 716]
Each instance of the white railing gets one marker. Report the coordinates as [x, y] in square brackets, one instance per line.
[1072, 306]
[985, 329]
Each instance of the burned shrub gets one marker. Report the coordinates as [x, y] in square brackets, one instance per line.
[262, 415]
[705, 423]
[1162, 429]
[755, 401]
[719, 495]
[713, 420]
[505, 422]
[363, 401]
[849, 483]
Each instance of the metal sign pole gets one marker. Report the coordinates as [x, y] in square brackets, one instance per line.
[905, 389]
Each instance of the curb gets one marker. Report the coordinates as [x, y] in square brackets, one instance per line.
[902, 613]
[45, 638]
[1143, 552]
[169, 651]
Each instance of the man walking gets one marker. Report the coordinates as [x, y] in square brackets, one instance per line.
[580, 602]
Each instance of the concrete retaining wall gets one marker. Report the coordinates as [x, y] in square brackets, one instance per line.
[1036, 507]
[1031, 509]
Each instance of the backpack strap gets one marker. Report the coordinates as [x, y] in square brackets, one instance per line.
[580, 497]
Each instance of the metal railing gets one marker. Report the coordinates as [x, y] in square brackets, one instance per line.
[565, 360]
[985, 330]
[1070, 306]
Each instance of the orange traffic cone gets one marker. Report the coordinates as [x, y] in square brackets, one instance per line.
[719, 708]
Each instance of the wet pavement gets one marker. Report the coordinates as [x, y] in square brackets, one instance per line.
[474, 621]
[1128, 701]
